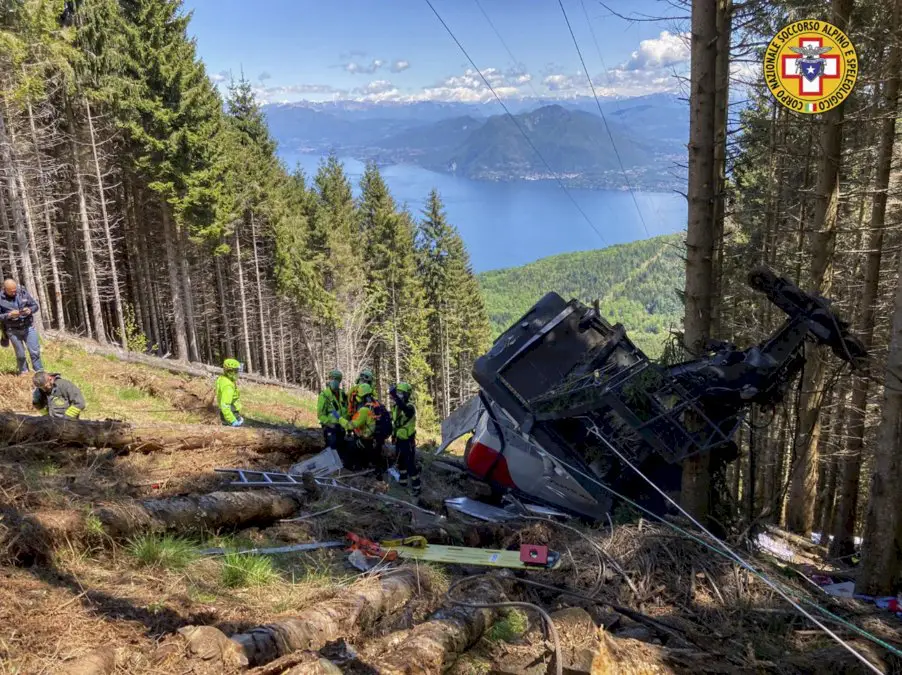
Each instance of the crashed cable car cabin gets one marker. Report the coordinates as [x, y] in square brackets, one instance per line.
[562, 392]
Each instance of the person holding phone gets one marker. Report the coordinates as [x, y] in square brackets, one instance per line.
[17, 310]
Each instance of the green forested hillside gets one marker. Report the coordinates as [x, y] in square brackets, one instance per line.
[636, 283]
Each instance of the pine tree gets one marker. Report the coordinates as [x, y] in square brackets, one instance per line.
[173, 117]
[395, 294]
[458, 323]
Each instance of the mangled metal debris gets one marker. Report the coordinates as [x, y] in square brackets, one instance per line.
[567, 402]
[480, 510]
[493, 514]
[325, 463]
[275, 550]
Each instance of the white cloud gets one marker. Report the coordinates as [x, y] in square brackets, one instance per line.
[356, 68]
[295, 92]
[666, 50]
[649, 69]
[561, 82]
[376, 91]
[379, 85]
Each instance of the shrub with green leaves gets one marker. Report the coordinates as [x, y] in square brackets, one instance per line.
[509, 627]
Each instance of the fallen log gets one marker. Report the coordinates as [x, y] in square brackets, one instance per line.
[124, 436]
[101, 661]
[355, 610]
[299, 663]
[434, 645]
[801, 542]
[41, 531]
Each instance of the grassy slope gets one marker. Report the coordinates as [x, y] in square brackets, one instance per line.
[118, 390]
[636, 284]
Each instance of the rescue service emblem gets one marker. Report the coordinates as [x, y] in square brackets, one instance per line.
[810, 66]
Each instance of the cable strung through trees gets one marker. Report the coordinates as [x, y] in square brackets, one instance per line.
[518, 125]
[719, 547]
[605, 120]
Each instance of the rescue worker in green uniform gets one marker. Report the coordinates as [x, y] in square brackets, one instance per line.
[228, 400]
[56, 396]
[331, 408]
[404, 435]
[365, 426]
[365, 377]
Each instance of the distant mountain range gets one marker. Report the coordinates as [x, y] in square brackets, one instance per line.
[649, 134]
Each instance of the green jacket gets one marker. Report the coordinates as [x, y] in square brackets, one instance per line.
[328, 403]
[363, 423]
[404, 421]
[64, 400]
[227, 398]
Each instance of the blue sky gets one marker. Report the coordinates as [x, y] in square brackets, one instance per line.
[396, 50]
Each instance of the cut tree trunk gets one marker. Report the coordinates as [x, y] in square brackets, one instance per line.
[432, 646]
[42, 531]
[15, 429]
[353, 611]
[101, 661]
[196, 513]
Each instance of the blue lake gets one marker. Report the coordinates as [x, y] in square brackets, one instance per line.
[509, 224]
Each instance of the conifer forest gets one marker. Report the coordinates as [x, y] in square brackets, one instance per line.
[141, 208]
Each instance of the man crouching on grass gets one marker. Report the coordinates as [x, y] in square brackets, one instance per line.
[56, 396]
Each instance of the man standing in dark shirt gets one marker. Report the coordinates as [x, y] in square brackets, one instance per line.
[17, 310]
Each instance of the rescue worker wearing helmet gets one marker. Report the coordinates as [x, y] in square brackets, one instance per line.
[404, 435]
[364, 425]
[56, 396]
[228, 400]
[365, 377]
[331, 407]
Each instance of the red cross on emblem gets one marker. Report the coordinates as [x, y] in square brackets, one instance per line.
[791, 64]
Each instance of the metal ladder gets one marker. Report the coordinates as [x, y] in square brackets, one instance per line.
[252, 478]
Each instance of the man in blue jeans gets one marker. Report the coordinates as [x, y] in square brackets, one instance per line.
[17, 310]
